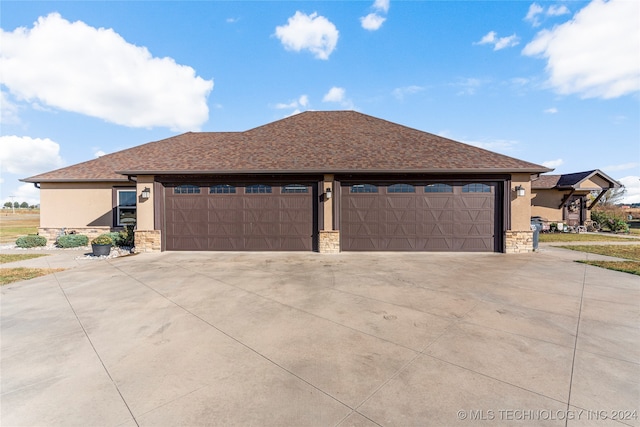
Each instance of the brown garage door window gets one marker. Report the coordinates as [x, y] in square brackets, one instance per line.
[438, 188]
[222, 189]
[257, 189]
[186, 189]
[401, 188]
[363, 188]
[476, 188]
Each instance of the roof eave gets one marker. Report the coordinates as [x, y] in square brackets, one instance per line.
[330, 171]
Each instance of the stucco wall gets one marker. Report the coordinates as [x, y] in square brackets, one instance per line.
[145, 212]
[545, 204]
[521, 206]
[77, 204]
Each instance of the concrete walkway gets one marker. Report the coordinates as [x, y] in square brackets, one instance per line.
[354, 339]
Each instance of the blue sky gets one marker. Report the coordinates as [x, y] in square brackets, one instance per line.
[555, 83]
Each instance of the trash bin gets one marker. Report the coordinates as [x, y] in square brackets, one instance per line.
[536, 228]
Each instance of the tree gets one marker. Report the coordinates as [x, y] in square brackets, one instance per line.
[16, 205]
[7, 204]
[613, 196]
[24, 205]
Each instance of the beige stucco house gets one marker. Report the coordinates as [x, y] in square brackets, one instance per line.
[318, 181]
[564, 198]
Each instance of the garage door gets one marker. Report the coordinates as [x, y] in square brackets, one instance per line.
[239, 217]
[411, 217]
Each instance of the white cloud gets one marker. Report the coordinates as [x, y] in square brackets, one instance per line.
[401, 92]
[381, 5]
[303, 101]
[552, 110]
[28, 156]
[632, 185]
[552, 164]
[535, 10]
[309, 32]
[499, 43]
[232, 20]
[372, 21]
[8, 110]
[595, 54]
[468, 85]
[338, 95]
[99, 153]
[498, 145]
[621, 167]
[532, 15]
[24, 193]
[112, 79]
[558, 10]
[335, 94]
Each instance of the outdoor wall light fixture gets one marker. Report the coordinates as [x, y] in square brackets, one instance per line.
[327, 193]
[146, 193]
[520, 191]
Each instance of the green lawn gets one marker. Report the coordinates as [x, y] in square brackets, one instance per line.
[10, 275]
[575, 237]
[630, 252]
[6, 258]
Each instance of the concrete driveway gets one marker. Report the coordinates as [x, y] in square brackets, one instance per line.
[287, 339]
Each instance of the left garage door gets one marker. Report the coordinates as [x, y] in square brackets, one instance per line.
[221, 217]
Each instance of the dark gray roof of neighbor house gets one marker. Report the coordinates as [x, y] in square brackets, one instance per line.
[310, 142]
[570, 181]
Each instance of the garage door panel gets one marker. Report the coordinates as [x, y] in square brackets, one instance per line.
[459, 220]
[239, 221]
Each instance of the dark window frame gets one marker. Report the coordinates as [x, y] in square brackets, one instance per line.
[363, 188]
[258, 189]
[476, 187]
[439, 187]
[294, 189]
[401, 188]
[222, 189]
[188, 187]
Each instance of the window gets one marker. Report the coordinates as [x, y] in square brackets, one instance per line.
[222, 189]
[438, 188]
[401, 188]
[257, 189]
[126, 210]
[364, 188]
[186, 189]
[294, 188]
[476, 188]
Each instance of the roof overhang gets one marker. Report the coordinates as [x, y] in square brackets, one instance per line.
[328, 171]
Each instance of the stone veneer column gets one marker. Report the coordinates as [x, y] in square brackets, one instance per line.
[517, 242]
[328, 238]
[329, 242]
[147, 241]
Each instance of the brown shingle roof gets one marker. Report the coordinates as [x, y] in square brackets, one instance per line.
[570, 180]
[314, 142]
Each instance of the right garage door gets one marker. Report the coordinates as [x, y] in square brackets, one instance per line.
[418, 217]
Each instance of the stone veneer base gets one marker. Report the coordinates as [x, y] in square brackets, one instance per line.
[147, 241]
[329, 242]
[52, 233]
[518, 242]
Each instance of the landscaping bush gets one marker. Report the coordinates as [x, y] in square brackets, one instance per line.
[126, 236]
[31, 241]
[72, 240]
[103, 239]
[611, 219]
[115, 238]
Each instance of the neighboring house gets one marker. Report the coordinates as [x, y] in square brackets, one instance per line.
[563, 198]
[325, 181]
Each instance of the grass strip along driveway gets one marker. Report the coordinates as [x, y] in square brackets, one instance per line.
[630, 252]
[10, 275]
[575, 237]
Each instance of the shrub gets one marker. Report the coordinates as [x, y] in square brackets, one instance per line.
[115, 237]
[126, 236]
[612, 219]
[103, 239]
[72, 240]
[31, 241]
